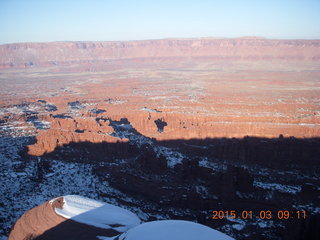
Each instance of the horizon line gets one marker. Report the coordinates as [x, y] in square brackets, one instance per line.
[168, 38]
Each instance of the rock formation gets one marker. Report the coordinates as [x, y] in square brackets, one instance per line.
[26, 55]
[72, 217]
[205, 123]
[90, 220]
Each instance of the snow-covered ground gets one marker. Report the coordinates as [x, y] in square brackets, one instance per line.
[127, 131]
[278, 187]
[20, 192]
[172, 230]
[96, 213]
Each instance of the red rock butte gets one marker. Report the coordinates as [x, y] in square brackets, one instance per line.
[201, 88]
[44, 222]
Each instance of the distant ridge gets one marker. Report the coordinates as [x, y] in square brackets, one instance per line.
[22, 55]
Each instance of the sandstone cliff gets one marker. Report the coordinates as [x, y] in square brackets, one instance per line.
[21, 55]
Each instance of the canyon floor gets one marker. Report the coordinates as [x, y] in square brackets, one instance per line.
[173, 137]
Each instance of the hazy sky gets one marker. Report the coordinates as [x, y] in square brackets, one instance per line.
[95, 20]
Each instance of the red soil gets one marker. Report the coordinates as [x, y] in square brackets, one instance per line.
[204, 88]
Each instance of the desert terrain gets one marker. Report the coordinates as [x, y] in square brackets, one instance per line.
[169, 129]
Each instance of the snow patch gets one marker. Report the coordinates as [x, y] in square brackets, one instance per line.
[310, 208]
[265, 224]
[150, 110]
[96, 213]
[173, 230]
[238, 227]
[106, 238]
[278, 187]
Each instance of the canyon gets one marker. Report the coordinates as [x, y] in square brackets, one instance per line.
[207, 124]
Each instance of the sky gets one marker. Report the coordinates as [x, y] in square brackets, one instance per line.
[122, 20]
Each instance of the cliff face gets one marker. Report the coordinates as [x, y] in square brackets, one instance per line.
[22, 55]
[176, 126]
[65, 131]
[167, 89]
